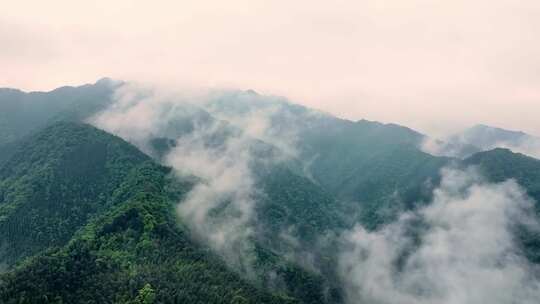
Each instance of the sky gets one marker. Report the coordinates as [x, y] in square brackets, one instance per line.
[436, 66]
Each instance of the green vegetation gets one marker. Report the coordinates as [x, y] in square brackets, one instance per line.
[290, 200]
[135, 253]
[55, 182]
[502, 164]
[23, 113]
[499, 165]
[87, 218]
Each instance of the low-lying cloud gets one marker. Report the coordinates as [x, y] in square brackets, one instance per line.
[226, 185]
[216, 145]
[482, 138]
[460, 249]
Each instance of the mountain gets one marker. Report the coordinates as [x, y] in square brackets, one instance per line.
[486, 137]
[23, 113]
[135, 253]
[96, 219]
[56, 180]
[96, 214]
[502, 164]
[499, 165]
[377, 166]
[483, 138]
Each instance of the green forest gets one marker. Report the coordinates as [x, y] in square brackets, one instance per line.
[90, 215]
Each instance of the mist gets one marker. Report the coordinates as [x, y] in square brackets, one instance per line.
[329, 105]
[214, 147]
[482, 138]
[461, 248]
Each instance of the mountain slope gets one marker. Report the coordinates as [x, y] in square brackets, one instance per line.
[483, 138]
[22, 113]
[499, 165]
[334, 153]
[363, 161]
[133, 253]
[86, 217]
[377, 166]
[502, 164]
[55, 182]
[487, 137]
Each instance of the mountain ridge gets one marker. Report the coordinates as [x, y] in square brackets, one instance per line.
[87, 216]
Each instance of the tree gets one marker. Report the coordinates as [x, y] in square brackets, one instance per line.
[147, 295]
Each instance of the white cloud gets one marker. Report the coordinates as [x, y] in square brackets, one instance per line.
[462, 145]
[216, 146]
[461, 249]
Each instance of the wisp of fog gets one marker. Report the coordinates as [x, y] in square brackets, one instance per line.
[458, 249]
[215, 146]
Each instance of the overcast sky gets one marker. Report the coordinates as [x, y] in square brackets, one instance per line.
[435, 66]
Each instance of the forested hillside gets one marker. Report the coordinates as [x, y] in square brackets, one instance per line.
[136, 252]
[95, 220]
[55, 182]
[22, 113]
[502, 164]
[238, 198]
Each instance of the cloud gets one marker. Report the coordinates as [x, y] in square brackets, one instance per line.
[529, 146]
[220, 208]
[448, 148]
[482, 138]
[217, 146]
[459, 249]
[266, 118]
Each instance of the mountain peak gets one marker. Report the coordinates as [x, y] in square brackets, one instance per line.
[252, 92]
[488, 128]
[109, 82]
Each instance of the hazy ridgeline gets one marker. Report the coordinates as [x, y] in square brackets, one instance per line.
[224, 196]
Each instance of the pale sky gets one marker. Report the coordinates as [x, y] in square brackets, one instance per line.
[435, 66]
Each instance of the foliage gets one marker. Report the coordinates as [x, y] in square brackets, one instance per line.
[56, 181]
[125, 246]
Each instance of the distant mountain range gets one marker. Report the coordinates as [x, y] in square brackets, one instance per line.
[231, 198]
[483, 138]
